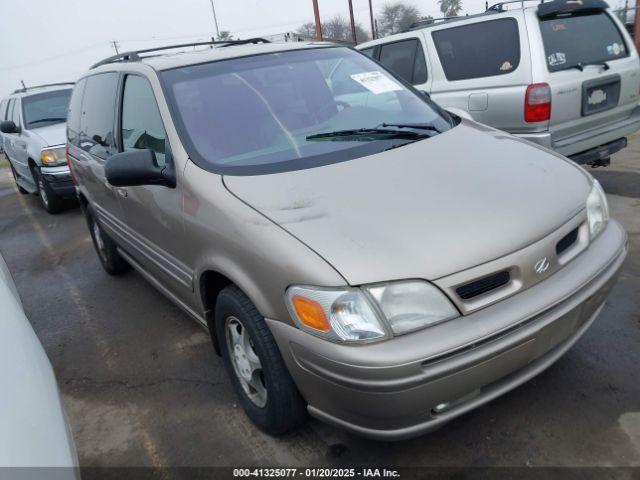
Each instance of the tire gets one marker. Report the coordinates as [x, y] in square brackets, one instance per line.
[15, 179]
[49, 199]
[106, 248]
[278, 409]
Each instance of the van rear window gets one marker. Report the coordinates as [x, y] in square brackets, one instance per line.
[477, 50]
[577, 40]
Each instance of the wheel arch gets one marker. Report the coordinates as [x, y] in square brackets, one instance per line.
[210, 284]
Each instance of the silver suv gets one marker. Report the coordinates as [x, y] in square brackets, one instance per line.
[375, 262]
[563, 74]
[33, 138]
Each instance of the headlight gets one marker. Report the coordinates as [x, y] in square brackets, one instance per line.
[53, 156]
[370, 313]
[597, 210]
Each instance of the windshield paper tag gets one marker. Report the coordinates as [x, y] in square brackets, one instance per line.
[376, 82]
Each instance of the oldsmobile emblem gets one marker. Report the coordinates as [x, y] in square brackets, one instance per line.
[541, 266]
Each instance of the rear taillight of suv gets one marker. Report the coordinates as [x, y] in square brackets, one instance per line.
[537, 103]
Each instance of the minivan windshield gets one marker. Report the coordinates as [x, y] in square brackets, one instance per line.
[581, 39]
[46, 108]
[295, 109]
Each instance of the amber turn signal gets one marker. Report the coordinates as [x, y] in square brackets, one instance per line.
[310, 313]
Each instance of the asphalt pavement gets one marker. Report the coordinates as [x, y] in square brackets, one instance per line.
[143, 387]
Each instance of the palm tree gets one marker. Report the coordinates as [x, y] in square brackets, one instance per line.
[450, 8]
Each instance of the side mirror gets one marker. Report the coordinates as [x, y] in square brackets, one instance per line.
[138, 167]
[9, 127]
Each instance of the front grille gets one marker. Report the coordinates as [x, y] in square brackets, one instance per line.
[483, 285]
[566, 241]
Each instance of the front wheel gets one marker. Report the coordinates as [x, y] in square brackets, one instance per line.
[259, 376]
[49, 199]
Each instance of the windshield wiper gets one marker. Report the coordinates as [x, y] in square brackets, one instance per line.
[51, 119]
[580, 65]
[417, 126]
[367, 134]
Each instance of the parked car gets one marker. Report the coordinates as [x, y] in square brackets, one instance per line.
[34, 432]
[376, 262]
[33, 137]
[562, 74]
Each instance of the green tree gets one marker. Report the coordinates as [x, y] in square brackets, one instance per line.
[396, 17]
[450, 8]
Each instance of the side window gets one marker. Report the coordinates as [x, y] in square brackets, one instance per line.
[15, 114]
[74, 114]
[405, 59]
[9, 111]
[141, 125]
[477, 50]
[369, 51]
[420, 68]
[98, 112]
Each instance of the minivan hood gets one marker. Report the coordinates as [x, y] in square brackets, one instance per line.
[55, 134]
[425, 210]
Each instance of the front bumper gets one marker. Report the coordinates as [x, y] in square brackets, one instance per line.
[59, 179]
[406, 387]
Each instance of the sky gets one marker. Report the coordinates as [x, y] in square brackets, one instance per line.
[47, 41]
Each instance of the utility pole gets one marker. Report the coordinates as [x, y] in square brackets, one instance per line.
[115, 46]
[215, 19]
[373, 27]
[316, 14]
[353, 23]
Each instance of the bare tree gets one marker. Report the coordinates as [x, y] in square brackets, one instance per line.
[450, 8]
[337, 28]
[396, 17]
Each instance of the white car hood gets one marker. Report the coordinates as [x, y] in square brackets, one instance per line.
[55, 134]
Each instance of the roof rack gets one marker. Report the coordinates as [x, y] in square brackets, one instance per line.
[434, 22]
[24, 89]
[429, 21]
[498, 7]
[134, 56]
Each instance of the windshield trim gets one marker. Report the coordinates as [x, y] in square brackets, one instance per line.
[295, 164]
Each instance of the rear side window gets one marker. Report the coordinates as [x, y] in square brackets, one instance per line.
[581, 39]
[142, 125]
[75, 113]
[98, 108]
[481, 49]
[406, 60]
